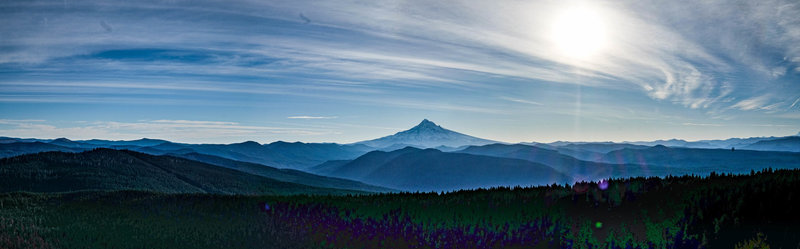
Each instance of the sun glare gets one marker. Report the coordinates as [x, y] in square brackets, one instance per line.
[579, 33]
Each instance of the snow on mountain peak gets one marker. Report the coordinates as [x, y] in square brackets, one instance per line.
[426, 134]
[427, 126]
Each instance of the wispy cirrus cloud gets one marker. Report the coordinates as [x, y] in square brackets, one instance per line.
[685, 57]
[176, 130]
[521, 101]
[672, 65]
[20, 121]
[702, 124]
[755, 103]
[794, 104]
[194, 122]
[311, 117]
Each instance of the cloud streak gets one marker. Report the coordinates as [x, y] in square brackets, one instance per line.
[754, 103]
[176, 130]
[311, 117]
[521, 101]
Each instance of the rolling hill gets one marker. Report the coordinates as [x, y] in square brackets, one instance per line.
[413, 169]
[579, 170]
[107, 169]
[284, 175]
[705, 160]
[279, 154]
[21, 148]
[593, 151]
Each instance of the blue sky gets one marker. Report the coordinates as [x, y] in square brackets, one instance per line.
[345, 71]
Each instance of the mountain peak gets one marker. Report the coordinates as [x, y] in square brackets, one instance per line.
[426, 134]
[660, 147]
[248, 143]
[426, 124]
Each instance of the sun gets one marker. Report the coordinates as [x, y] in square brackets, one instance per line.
[579, 33]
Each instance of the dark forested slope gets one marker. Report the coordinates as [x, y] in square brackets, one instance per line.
[107, 169]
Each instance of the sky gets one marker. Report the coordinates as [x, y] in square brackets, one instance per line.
[346, 71]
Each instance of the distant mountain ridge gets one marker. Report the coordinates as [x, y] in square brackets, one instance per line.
[20, 148]
[706, 160]
[791, 144]
[426, 135]
[278, 154]
[786, 144]
[706, 144]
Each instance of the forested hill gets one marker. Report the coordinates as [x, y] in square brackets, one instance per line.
[108, 169]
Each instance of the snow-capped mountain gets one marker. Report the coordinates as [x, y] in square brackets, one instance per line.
[426, 135]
